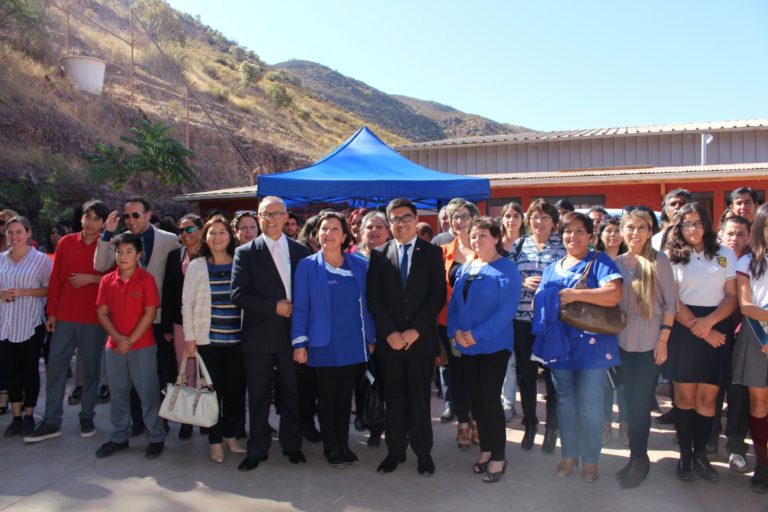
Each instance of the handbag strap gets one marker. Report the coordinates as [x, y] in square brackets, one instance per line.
[582, 282]
[206, 381]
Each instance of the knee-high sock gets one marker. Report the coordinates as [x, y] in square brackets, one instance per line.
[759, 429]
[701, 431]
[685, 420]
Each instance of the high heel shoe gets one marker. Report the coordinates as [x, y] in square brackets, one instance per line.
[233, 445]
[217, 452]
[493, 477]
[479, 468]
[462, 436]
[475, 433]
[529, 436]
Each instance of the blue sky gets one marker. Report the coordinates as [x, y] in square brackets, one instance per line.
[547, 65]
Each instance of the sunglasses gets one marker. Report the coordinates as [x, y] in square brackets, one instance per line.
[189, 229]
[135, 215]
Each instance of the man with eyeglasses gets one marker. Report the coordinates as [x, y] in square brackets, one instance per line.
[673, 201]
[406, 291]
[262, 284]
[156, 245]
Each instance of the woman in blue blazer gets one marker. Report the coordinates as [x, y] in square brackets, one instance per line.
[332, 330]
[480, 324]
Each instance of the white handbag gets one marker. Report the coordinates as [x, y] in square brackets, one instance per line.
[193, 405]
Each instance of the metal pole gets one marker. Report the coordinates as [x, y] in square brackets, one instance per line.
[69, 50]
[132, 47]
[186, 125]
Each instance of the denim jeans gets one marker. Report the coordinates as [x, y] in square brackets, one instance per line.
[137, 368]
[580, 412]
[509, 389]
[89, 339]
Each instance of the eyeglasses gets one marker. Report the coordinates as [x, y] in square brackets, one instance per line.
[135, 215]
[690, 226]
[405, 219]
[189, 229]
[271, 215]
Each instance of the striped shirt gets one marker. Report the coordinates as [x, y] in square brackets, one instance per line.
[226, 325]
[532, 262]
[19, 318]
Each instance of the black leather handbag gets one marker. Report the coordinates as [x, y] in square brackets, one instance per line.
[591, 317]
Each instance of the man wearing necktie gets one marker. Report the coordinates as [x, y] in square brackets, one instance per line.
[262, 283]
[406, 290]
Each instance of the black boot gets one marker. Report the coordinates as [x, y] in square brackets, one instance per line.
[635, 473]
[550, 439]
[530, 433]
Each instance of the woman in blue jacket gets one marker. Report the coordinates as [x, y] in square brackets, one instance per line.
[578, 358]
[480, 323]
[332, 330]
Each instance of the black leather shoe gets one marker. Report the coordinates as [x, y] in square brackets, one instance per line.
[295, 457]
[250, 463]
[374, 440]
[425, 466]
[154, 450]
[635, 473]
[702, 466]
[447, 415]
[529, 436]
[685, 468]
[110, 448]
[185, 432]
[349, 456]
[311, 434]
[335, 458]
[550, 440]
[668, 418]
[389, 464]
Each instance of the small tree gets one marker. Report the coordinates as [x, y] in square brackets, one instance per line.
[248, 73]
[159, 155]
[161, 22]
[279, 94]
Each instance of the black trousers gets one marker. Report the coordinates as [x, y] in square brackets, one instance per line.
[21, 368]
[406, 384]
[334, 403]
[258, 379]
[527, 373]
[737, 422]
[458, 383]
[639, 375]
[225, 364]
[308, 394]
[485, 373]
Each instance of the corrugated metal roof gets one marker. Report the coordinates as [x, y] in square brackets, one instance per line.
[624, 175]
[224, 193]
[515, 138]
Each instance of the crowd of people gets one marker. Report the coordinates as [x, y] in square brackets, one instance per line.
[301, 314]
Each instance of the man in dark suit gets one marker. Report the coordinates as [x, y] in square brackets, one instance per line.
[406, 290]
[262, 276]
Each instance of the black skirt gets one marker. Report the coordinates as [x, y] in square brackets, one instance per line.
[693, 360]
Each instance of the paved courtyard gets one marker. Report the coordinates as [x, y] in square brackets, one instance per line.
[62, 474]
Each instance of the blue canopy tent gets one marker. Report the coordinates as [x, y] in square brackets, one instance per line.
[363, 171]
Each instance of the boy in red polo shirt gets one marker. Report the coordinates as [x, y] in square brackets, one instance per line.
[126, 307]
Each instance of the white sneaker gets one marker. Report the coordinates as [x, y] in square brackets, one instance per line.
[737, 463]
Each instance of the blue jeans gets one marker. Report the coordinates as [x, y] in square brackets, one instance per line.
[89, 340]
[580, 412]
[138, 368]
[509, 389]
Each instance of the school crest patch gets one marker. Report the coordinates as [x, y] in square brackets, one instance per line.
[721, 261]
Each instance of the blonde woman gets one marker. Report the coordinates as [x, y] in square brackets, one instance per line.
[650, 301]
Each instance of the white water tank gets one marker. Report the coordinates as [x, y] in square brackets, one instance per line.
[87, 73]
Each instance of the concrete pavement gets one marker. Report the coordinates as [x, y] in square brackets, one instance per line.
[62, 474]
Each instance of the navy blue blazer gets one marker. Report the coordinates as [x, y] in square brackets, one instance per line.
[256, 289]
[311, 323]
